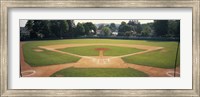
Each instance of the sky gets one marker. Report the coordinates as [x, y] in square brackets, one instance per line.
[110, 21]
[23, 22]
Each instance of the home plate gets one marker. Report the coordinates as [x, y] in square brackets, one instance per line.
[101, 62]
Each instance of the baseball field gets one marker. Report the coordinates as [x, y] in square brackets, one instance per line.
[99, 58]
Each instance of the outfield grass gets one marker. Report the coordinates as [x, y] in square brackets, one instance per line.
[164, 58]
[90, 50]
[99, 72]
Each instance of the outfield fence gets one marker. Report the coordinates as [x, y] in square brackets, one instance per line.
[135, 38]
[111, 37]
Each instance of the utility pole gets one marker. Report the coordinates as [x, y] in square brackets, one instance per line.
[176, 58]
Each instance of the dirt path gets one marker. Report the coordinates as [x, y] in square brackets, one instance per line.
[101, 62]
[150, 50]
[101, 53]
[40, 71]
[144, 47]
[95, 61]
[23, 65]
[46, 71]
[61, 46]
[153, 71]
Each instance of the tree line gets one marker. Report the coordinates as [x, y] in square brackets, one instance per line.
[59, 29]
[159, 28]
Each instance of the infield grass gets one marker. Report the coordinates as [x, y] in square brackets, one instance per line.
[91, 50]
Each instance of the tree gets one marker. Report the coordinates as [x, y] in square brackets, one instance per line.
[177, 34]
[35, 29]
[123, 23]
[71, 32]
[59, 28]
[121, 28]
[146, 31]
[125, 28]
[44, 28]
[64, 28]
[53, 28]
[80, 30]
[128, 28]
[161, 27]
[71, 24]
[107, 25]
[106, 31]
[38, 28]
[29, 27]
[133, 22]
[173, 28]
[90, 28]
[138, 28]
[100, 26]
[113, 27]
[130, 33]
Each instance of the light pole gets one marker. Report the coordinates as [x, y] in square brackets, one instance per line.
[176, 58]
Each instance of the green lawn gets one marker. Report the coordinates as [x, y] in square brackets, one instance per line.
[90, 50]
[163, 58]
[45, 57]
[99, 72]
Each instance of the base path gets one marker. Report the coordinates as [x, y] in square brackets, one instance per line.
[153, 71]
[45, 71]
[61, 46]
[23, 65]
[100, 61]
[143, 47]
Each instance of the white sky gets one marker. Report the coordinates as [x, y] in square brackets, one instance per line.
[23, 22]
[111, 21]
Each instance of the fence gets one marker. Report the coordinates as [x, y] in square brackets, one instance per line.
[135, 38]
[112, 37]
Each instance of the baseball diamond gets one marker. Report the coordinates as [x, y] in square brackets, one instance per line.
[98, 58]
